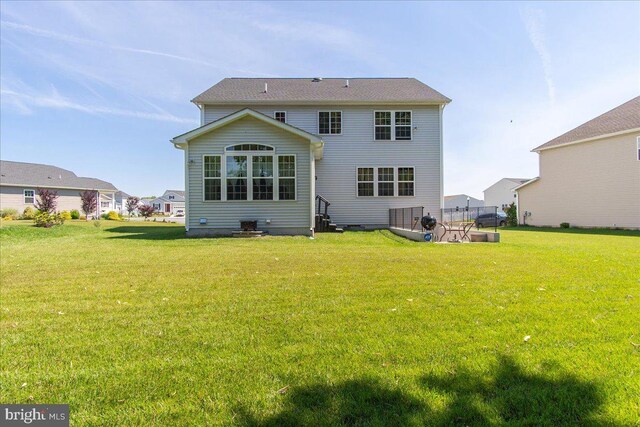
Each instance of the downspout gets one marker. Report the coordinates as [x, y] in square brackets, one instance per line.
[312, 202]
[186, 187]
[441, 110]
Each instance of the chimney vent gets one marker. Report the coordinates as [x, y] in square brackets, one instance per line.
[265, 87]
[317, 79]
[347, 84]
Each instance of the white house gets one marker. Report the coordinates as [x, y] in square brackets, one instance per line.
[281, 151]
[172, 202]
[590, 176]
[462, 201]
[502, 193]
[19, 184]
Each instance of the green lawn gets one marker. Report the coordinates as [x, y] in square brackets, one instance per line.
[132, 324]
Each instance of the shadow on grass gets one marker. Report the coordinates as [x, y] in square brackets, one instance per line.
[151, 232]
[358, 402]
[595, 231]
[506, 395]
[512, 396]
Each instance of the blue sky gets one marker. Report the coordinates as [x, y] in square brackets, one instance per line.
[100, 88]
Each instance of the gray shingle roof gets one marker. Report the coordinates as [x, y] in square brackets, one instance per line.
[331, 90]
[37, 175]
[621, 118]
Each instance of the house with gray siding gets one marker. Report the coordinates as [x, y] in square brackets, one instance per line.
[279, 151]
[19, 184]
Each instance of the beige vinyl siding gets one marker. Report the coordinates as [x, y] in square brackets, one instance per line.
[356, 147]
[590, 184]
[12, 197]
[224, 215]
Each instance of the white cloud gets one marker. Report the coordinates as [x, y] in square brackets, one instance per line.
[25, 102]
[534, 23]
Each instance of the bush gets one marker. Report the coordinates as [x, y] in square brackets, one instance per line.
[112, 216]
[47, 220]
[28, 213]
[65, 215]
[8, 214]
[565, 225]
[512, 215]
[75, 214]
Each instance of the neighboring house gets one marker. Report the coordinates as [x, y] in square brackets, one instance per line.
[19, 183]
[170, 203]
[121, 203]
[590, 176]
[268, 149]
[460, 201]
[502, 193]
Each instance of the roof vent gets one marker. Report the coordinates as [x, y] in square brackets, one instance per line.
[265, 87]
[347, 83]
[317, 79]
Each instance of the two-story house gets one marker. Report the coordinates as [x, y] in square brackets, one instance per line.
[272, 150]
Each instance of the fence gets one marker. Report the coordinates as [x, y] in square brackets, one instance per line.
[406, 218]
[469, 214]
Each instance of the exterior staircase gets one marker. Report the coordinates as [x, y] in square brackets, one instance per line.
[323, 219]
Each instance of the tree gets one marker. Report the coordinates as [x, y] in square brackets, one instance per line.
[512, 215]
[47, 200]
[132, 204]
[146, 210]
[89, 201]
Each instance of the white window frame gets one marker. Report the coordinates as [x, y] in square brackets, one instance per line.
[102, 204]
[275, 113]
[24, 196]
[393, 126]
[412, 181]
[373, 181]
[250, 154]
[394, 181]
[396, 176]
[220, 178]
[330, 111]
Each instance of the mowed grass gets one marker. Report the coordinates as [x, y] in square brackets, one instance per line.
[132, 324]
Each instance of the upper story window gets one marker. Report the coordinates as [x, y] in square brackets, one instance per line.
[392, 125]
[29, 197]
[330, 122]
[280, 116]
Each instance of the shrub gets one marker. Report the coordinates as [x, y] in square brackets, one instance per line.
[146, 210]
[512, 215]
[113, 216]
[9, 214]
[75, 214]
[47, 200]
[28, 213]
[104, 216]
[48, 220]
[565, 225]
[65, 215]
[97, 223]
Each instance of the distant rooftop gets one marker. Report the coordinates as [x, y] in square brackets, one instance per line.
[310, 90]
[47, 176]
[622, 118]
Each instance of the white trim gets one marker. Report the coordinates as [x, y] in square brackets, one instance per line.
[594, 138]
[220, 178]
[440, 132]
[392, 125]
[186, 186]
[531, 181]
[181, 141]
[396, 181]
[329, 111]
[24, 197]
[286, 118]
[321, 102]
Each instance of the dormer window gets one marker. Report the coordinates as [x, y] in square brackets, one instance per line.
[280, 116]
